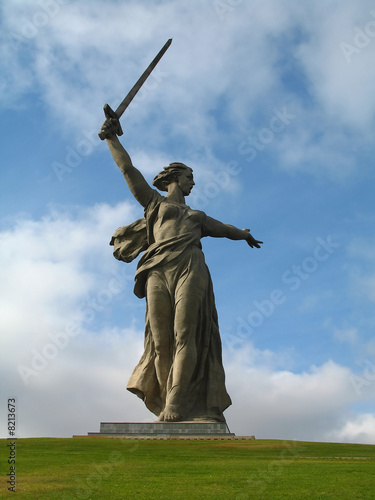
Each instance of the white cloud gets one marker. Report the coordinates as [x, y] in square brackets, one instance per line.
[280, 404]
[361, 252]
[59, 282]
[359, 429]
[347, 335]
[363, 283]
[51, 265]
[88, 377]
[232, 63]
[312, 147]
[218, 84]
[53, 359]
[341, 88]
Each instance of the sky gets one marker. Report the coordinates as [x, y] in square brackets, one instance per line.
[273, 106]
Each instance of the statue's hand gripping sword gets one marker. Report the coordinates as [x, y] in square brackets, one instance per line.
[108, 111]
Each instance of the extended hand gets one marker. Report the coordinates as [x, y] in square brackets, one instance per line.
[251, 241]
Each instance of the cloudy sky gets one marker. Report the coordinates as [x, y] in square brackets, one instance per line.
[272, 104]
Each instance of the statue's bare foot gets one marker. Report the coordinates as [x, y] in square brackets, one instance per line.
[171, 413]
[161, 417]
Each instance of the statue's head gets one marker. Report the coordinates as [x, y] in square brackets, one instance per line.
[175, 172]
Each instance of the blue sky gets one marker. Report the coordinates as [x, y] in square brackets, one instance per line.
[272, 105]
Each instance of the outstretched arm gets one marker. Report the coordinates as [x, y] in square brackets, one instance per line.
[137, 184]
[217, 229]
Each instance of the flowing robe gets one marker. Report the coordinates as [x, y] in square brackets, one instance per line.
[173, 265]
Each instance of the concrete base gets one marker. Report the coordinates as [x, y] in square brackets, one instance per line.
[163, 429]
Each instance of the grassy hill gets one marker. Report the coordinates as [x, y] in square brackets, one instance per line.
[92, 468]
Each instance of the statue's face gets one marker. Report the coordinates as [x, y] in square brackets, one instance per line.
[186, 182]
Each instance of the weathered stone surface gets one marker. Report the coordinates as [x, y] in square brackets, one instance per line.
[180, 375]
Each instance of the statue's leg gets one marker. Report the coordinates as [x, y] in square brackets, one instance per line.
[161, 323]
[188, 312]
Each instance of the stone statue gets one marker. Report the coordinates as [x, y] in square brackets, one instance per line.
[180, 375]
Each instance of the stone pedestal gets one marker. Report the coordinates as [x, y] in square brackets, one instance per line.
[164, 429]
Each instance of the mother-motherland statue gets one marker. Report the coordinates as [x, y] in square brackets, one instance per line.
[180, 375]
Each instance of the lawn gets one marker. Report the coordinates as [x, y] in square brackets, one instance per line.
[93, 468]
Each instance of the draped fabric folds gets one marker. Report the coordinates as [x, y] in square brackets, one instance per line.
[176, 264]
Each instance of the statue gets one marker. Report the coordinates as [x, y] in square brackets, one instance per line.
[180, 375]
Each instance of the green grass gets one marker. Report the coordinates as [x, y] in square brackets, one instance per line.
[94, 468]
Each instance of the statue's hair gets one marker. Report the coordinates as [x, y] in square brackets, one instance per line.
[169, 174]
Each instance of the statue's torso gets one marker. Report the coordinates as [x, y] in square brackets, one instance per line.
[174, 220]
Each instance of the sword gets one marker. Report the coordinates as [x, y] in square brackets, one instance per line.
[108, 111]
